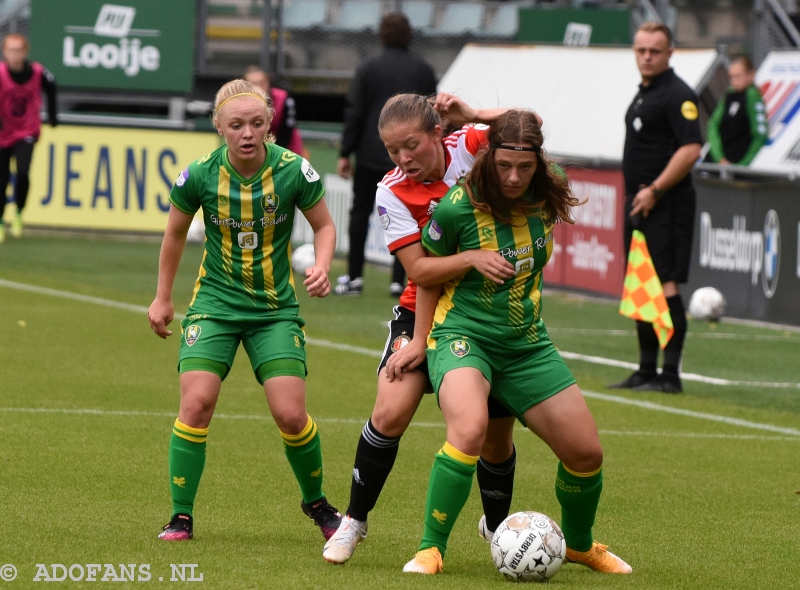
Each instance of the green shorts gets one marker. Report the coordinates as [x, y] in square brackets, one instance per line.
[521, 374]
[217, 340]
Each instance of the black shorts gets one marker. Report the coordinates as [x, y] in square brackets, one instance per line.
[401, 330]
[669, 230]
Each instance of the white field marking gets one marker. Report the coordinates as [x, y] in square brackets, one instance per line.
[376, 353]
[690, 413]
[692, 335]
[418, 424]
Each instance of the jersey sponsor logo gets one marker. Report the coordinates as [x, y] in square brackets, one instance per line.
[689, 110]
[232, 223]
[434, 231]
[309, 172]
[509, 253]
[456, 195]
[383, 215]
[248, 240]
[460, 348]
[182, 177]
[270, 203]
[192, 334]
[542, 241]
[400, 342]
[524, 265]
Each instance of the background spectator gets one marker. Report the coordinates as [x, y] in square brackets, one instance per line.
[393, 71]
[738, 126]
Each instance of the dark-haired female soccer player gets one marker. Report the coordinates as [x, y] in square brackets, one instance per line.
[489, 342]
[248, 190]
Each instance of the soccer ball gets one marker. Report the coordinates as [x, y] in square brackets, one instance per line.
[528, 547]
[707, 303]
[303, 257]
[197, 231]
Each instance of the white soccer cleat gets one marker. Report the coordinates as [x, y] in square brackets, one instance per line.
[484, 531]
[340, 547]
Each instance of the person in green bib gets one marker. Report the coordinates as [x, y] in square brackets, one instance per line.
[248, 190]
[488, 340]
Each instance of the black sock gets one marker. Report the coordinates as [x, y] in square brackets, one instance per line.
[674, 348]
[374, 461]
[648, 348]
[496, 483]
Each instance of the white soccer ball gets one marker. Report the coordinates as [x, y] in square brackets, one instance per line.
[303, 257]
[707, 303]
[528, 547]
[197, 231]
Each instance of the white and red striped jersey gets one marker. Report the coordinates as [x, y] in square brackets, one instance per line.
[405, 206]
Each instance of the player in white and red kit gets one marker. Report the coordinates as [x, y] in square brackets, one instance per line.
[428, 164]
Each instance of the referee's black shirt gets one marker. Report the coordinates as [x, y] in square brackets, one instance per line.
[661, 119]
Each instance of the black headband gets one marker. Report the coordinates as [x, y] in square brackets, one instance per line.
[514, 148]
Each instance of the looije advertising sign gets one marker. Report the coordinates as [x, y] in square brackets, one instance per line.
[135, 45]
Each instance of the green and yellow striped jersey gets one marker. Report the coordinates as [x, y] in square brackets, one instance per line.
[246, 272]
[472, 303]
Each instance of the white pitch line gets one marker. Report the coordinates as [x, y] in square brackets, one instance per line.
[375, 353]
[418, 424]
[692, 335]
[691, 413]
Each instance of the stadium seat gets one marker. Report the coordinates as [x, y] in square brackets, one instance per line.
[304, 14]
[459, 18]
[505, 22]
[419, 13]
[357, 15]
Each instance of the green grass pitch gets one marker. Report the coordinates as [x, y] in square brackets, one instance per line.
[701, 489]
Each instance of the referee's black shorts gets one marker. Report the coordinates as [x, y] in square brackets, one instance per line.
[401, 330]
[669, 230]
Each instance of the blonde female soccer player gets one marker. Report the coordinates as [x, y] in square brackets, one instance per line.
[248, 190]
[489, 342]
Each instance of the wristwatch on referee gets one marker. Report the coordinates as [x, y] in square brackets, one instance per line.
[657, 192]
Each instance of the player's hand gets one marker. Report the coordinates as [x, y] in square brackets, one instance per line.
[454, 109]
[317, 283]
[161, 314]
[491, 265]
[408, 358]
[643, 202]
[344, 168]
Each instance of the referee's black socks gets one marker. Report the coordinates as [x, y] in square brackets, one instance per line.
[674, 348]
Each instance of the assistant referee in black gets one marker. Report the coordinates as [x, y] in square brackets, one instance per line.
[662, 144]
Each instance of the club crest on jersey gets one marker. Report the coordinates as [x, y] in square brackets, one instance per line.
[460, 348]
[434, 231]
[400, 342]
[269, 203]
[182, 177]
[192, 334]
[383, 215]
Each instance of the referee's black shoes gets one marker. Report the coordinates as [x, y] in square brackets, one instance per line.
[664, 383]
[635, 380]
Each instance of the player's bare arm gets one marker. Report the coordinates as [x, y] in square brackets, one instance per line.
[679, 165]
[317, 282]
[161, 311]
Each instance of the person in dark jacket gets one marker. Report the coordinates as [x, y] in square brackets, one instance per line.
[21, 85]
[738, 126]
[393, 71]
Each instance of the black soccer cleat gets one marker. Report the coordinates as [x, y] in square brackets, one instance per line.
[662, 384]
[178, 529]
[635, 380]
[325, 516]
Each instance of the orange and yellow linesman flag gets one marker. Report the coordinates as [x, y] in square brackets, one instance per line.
[642, 296]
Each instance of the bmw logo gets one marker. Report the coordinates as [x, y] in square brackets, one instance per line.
[772, 253]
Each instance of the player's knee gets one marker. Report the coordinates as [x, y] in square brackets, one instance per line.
[497, 450]
[291, 422]
[585, 459]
